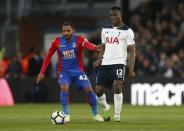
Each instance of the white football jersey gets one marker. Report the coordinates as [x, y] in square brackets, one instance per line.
[116, 41]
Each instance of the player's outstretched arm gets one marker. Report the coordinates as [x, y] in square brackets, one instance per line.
[46, 62]
[131, 60]
[89, 46]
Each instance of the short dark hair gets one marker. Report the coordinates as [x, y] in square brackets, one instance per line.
[68, 23]
[116, 8]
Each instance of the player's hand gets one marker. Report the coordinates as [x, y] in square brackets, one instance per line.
[131, 74]
[40, 77]
[97, 63]
[98, 48]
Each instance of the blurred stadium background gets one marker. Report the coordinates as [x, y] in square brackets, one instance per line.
[27, 28]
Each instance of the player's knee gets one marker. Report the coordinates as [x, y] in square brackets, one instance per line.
[88, 89]
[64, 88]
[117, 90]
[99, 91]
[118, 85]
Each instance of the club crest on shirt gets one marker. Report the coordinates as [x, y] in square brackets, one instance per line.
[119, 34]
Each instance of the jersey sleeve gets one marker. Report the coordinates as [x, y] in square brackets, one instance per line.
[48, 57]
[87, 45]
[130, 40]
[102, 36]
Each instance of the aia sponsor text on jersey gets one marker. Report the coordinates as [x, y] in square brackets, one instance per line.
[112, 40]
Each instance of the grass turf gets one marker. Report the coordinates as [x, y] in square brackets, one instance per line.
[35, 117]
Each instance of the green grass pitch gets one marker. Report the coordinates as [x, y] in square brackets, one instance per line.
[35, 117]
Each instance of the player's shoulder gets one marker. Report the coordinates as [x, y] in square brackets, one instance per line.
[125, 28]
[56, 41]
[106, 27]
[79, 36]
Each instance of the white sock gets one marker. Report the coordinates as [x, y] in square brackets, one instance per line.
[118, 101]
[103, 102]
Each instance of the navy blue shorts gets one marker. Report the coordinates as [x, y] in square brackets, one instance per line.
[108, 73]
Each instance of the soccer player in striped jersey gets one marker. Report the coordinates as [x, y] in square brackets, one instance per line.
[117, 40]
[69, 48]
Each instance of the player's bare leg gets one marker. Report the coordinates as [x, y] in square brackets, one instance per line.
[118, 99]
[93, 103]
[64, 97]
[101, 97]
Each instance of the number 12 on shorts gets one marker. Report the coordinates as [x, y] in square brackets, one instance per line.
[119, 73]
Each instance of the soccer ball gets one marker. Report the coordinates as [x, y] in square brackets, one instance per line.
[58, 117]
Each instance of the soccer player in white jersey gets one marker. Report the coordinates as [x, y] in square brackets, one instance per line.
[117, 41]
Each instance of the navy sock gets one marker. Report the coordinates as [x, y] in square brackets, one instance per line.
[93, 102]
[64, 97]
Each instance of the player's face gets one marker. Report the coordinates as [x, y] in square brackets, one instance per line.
[115, 17]
[67, 32]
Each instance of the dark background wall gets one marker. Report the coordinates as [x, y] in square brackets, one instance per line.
[32, 29]
[25, 90]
